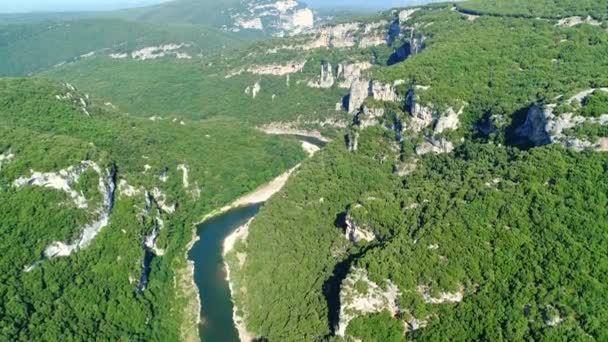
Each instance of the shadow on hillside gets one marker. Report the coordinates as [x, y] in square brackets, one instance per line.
[512, 138]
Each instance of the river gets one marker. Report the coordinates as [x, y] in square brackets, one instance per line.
[210, 274]
[207, 254]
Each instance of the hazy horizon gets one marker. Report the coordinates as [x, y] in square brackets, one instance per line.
[22, 6]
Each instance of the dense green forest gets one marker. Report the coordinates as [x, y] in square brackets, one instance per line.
[539, 8]
[92, 294]
[198, 91]
[511, 233]
[495, 239]
[519, 231]
[33, 46]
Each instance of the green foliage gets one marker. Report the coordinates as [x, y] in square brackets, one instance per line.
[499, 66]
[595, 104]
[33, 46]
[588, 131]
[91, 295]
[376, 328]
[538, 8]
[514, 229]
[200, 91]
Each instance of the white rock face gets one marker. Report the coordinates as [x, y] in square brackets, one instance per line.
[90, 231]
[6, 157]
[552, 317]
[154, 52]
[348, 73]
[359, 91]
[406, 15]
[299, 21]
[253, 90]
[574, 21]
[384, 92]
[62, 181]
[376, 299]
[150, 240]
[356, 234]
[184, 169]
[283, 17]
[449, 121]
[353, 141]
[422, 116]
[362, 89]
[119, 55]
[252, 24]
[161, 201]
[433, 145]
[342, 36]
[543, 127]
[325, 80]
[444, 297]
[271, 69]
[369, 116]
[124, 189]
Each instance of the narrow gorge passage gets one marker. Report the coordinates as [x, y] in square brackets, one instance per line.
[210, 273]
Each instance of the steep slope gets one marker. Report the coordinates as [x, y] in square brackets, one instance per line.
[255, 17]
[35, 45]
[543, 8]
[86, 192]
[450, 209]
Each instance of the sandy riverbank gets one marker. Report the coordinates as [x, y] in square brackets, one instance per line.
[187, 284]
[260, 195]
[239, 322]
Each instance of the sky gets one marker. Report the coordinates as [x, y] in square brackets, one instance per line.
[10, 6]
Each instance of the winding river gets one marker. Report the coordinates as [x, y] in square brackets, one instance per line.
[210, 274]
[207, 254]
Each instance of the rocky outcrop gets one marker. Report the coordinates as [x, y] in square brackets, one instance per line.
[359, 91]
[434, 145]
[253, 90]
[6, 157]
[543, 126]
[354, 231]
[449, 121]
[360, 296]
[422, 116]
[341, 36]
[362, 89]
[442, 298]
[154, 52]
[574, 21]
[552, 316]
[351, 72]
[271, 69]
[62, 181]
[293, 128]
[72, 95]
[326, 79]
[368, 117]
[405, 168]
[283, 17]
[352, 141]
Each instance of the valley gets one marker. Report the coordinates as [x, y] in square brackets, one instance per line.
[258, 170]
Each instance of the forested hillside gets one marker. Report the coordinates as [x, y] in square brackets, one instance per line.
[540, 8]
[451, 207]
[99, 291]
[462, 195]
[33, 46]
